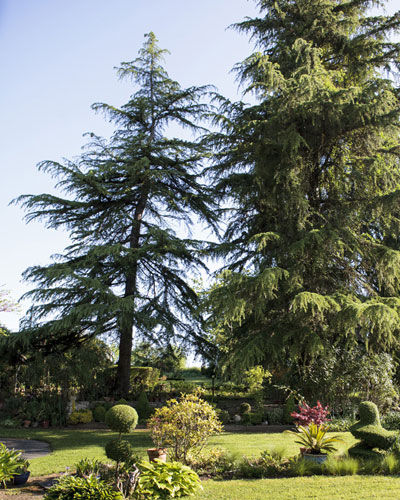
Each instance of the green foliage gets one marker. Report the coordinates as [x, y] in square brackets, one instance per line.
[255, 376]
[223, 416]
[11, 463]
[122, 401]
[244, 408]
[391, 421]
[214, 462]
[122, 418]
[343, 466]
[119, 450]
[311, 174]
[99, 413]
[162, 481]
[183, 425]
[370, 432]
[80, 417]
[289, 408]
[70, 488]
[124, 198]
[143, 407]
[86, 467]
[314, 439]
[275, 416]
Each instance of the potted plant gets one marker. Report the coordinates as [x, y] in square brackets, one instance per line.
[159, 452]
[22, 473]
[13, 467]
[315, 443]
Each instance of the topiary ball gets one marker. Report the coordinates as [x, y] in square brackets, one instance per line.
[245, 408]
[119, 450]
[122, 418]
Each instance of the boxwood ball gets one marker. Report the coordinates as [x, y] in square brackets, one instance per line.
[119, 450]
[122, 419]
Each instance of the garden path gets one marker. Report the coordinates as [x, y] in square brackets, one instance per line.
[31, 448]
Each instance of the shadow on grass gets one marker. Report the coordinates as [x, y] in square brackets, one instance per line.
[70, 439]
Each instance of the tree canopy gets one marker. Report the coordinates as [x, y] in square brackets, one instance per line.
[309, 178]
[126, 266]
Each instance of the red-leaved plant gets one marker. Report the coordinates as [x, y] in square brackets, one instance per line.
[317, 414]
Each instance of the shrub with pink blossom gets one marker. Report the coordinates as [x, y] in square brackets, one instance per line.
[306, 415]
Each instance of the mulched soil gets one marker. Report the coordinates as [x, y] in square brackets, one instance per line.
[32, 490]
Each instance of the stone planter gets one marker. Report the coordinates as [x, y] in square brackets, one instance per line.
[21, 479]
[317, 459]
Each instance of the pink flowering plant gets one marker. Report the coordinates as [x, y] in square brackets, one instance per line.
[307, 415]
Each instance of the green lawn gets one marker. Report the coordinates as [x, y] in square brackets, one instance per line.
[70, 446]
[304, 488]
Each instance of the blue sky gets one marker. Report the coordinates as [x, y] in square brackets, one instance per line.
[57, 58]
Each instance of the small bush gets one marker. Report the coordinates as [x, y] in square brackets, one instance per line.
[162, 480]
[119, 450]
[80, 417]
[183, 425]
[306, 415]
[122, 401]
[122, 419]
[289, 408]
[213, 463]
[244, 408]
[223, 416]
[275, 416]
[99, 414]
[85, 467]
[143, 406]
[391, 421]
[71, 488]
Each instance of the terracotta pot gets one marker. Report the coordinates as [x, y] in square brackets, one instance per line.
[157, 454]
[26, 423]
[45, 424]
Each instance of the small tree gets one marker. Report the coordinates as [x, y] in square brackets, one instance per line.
[184, 425]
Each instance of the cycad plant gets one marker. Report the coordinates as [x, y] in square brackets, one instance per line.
[314, 440]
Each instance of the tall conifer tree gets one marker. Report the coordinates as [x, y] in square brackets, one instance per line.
[311, 172]
[126, 267]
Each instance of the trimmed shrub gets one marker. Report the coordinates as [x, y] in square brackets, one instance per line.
[122, 401]
[275, 416]
[143, 406]
[122, 419]
[119, 450]
[99, 414]
[80, 417]
[244, 408]
[223, 416]
[370, 432]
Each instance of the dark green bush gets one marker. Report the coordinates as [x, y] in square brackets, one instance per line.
[99, 413]
[223, 416]
[119, 450]
[122, 401]
[143, 406]
[122, 419]
[244, 408]
[391, 421]
[275, 416]
[289, 408]
[370, 432]
[71, 488]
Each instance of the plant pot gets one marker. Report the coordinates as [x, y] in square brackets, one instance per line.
[317, 459]
[45, 424]
[157, 454]
[21, 479]
[26, 423]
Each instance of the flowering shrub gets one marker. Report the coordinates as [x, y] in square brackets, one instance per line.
[183, 425]
[317, 415]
